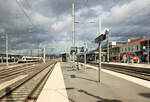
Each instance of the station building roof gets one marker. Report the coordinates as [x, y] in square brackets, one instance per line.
[138, 40]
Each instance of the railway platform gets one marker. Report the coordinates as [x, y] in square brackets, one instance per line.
[67, 85]
[129, 64]
[54, 89]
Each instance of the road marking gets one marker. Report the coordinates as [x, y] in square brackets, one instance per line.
[126, 77]
[54, 89]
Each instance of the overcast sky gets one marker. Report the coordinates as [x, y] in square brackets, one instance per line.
[48, 23]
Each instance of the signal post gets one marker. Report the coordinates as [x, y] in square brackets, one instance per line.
[98, 40]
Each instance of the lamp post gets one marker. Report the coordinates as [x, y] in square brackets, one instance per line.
[85, 56]
[6, 49]
[99, 28]
[100, 65]
[73, 33]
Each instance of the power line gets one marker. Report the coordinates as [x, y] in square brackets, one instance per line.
[29, 19]
[27, 2]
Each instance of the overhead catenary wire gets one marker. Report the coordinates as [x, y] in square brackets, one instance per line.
[27, 2]
[24, 12]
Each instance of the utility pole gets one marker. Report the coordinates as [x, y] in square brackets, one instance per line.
[6, 38]
[85, 57]
[107, 47]
[31, 52]
[38, 48]
[99, 70]
[66, 47]
[6, 49]
[44, 54]
[73, 32]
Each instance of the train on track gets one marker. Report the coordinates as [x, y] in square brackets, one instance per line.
[26, 59]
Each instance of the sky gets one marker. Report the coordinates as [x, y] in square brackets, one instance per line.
[30, 24]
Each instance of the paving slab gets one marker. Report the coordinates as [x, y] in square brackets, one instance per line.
[84, 87]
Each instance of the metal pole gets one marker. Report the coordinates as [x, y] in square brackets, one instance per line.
[66, 47]
[14, 56]
[99, 70]
[119, 57]
[85, 57]
[6, 49]
[44, 55]
[31, 52]
[73, 32]
[2, 59]
[107, 47]
[148, 50]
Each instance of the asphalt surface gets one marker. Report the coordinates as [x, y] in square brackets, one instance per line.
[83, 87]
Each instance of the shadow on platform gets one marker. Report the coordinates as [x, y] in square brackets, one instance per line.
[147, 95]
[98, 97]
[69, 88]
[74, 76]
[70, 100]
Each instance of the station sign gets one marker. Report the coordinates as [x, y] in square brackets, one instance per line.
[100, 38]
[73, 49]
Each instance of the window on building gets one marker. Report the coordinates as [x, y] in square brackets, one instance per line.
[128, 48]
[132, 49]
[137, 47]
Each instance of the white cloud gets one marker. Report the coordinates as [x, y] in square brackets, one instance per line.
[124, 12]
[60, 25]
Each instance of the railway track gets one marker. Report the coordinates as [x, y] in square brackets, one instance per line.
[4, 64]
[10, 73]
[13, 65]
[135, 72]
[28, 88]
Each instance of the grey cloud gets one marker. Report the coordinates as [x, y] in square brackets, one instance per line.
[45, 13]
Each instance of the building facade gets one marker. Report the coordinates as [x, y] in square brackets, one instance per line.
[138, 46]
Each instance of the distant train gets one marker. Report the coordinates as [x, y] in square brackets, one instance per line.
[25, 59]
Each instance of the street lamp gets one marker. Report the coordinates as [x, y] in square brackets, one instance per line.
[99, 70]
[73, 32]
[100, 65]
[98, 40]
